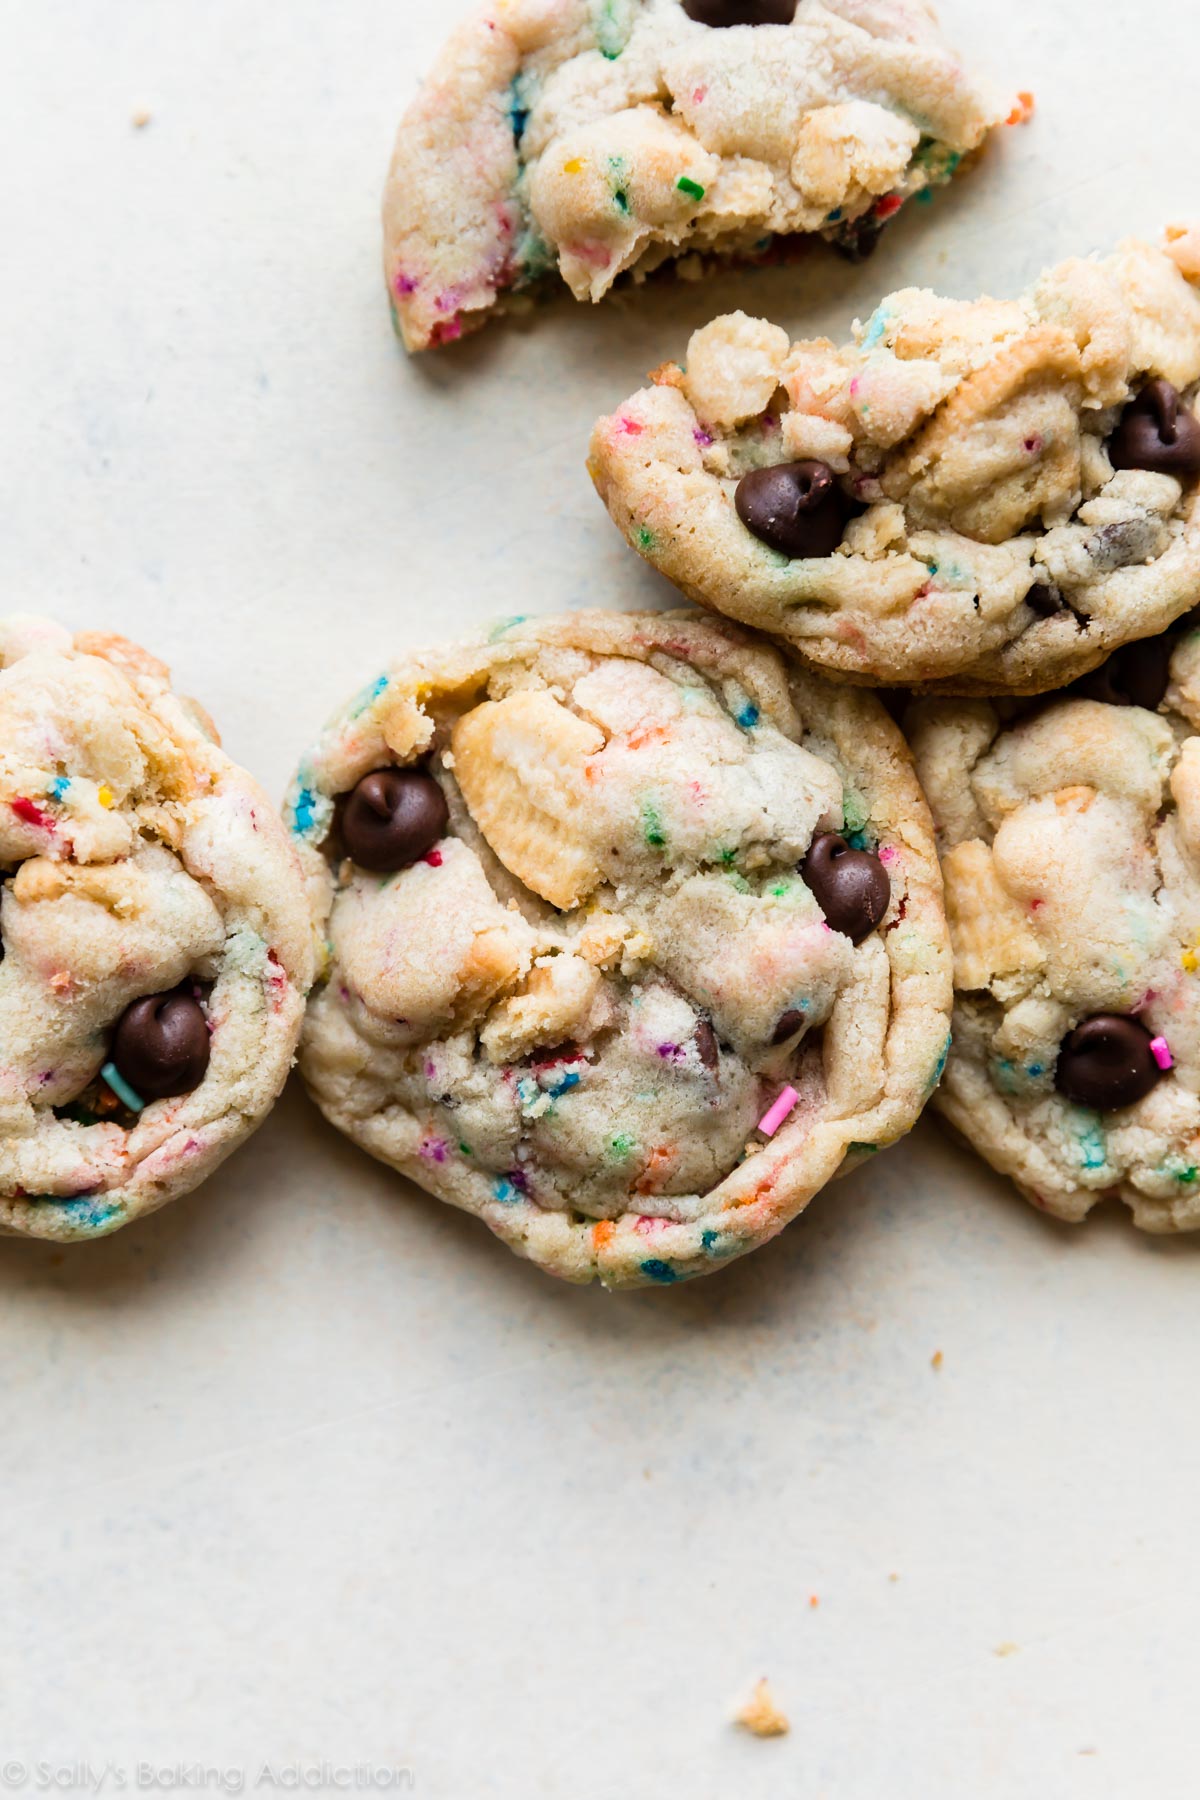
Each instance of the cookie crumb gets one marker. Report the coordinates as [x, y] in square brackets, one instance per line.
[1006, 1649]
[760, 1715]
[935, 1361]
[140, 119]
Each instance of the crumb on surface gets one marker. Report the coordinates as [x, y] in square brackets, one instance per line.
[1006, 1649]
[935, 1361]
[761, 1715]
[140, 119]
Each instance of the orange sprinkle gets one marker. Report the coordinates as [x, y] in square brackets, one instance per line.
[935, 1361]
[602, 1233]
[814, 1600]
[1022, 112]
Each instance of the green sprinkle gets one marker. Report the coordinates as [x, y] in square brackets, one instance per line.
[621, 200]
[861, 1149]
[121, 1088]
[645, 538]
[622, 1145]
[466, 1149]
[652, 827]
[728, 858]
[691, 188]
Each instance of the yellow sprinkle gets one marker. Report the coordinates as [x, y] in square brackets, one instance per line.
[105, 796]
[573, 166]
[1189, 961]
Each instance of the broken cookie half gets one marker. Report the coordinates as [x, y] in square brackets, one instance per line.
[596, 138]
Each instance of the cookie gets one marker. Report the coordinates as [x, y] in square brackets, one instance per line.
[985, 496]
[635, 936]
[601, 137]
[1070, 844]
[157, 943]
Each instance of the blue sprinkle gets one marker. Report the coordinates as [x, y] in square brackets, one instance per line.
[121, 1088]
[368, 696]
[505, 1192]
[565, 1082]
[502, 625]
[748, 718]
[304, 812]
[833, 217]
[876, 326]
[658, 1270]
[941, 1066]
[59, 786]
[1035, 1069]
[94, 1213]
[709, 1238]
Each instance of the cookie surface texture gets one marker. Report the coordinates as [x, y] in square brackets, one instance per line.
[1070, 840]
[986, 496]
[595, 137]
[569, 1011]
[157, 941]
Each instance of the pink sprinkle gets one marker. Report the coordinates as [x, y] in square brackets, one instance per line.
[703, 438]
[771, 1121]
[699, 95]
[887, 854]
[433, 858]
[1034, 445]
[647, 1224]
[891, 203]
[405, 285]
[433, 1150]
[1160, 1050]
[630, 427]
[29, 813]
[446, 331]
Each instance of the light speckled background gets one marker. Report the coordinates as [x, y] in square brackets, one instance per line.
[308, 1467]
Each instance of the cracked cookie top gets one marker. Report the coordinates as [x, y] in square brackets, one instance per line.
[602, 136]
[1070, 844]
[156, 941]
[985, 496]
[634, 936]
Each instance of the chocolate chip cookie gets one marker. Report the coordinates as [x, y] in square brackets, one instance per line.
[635, 936]
[984, 496]
[156, 938]
[1070, 844]
[599, 137]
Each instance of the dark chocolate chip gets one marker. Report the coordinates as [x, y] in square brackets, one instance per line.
[1045, 600]
[851, 886]
[789, 1024]
[161, 1045]
[858, 239]
[392, 818]
[720, 13]
[706, 1044]
[1135, 675]
[794, 507]
[1106, 1063]
[1156, 432]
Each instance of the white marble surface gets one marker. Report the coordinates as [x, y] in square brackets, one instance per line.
[308, 1468]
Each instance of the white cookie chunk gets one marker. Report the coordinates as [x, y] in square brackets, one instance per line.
[598, 893]
[157, 941]
[971, 497]
[1070, 842]
[605, 137]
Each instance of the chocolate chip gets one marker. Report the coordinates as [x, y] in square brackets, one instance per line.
[851, 886]
[706, 1044]
[1155, 432]
[720, 13]
[794, 507]
[788, 1025]
[392, 818]
[1135, 675]
[1106, 1063]
[161, 1045]
[1045, 600]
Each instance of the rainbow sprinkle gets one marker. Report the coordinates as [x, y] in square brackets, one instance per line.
[773, 1118]
[1160, 1050]
[121, 1088]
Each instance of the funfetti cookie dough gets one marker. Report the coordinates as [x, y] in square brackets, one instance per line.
[984, 496]
[635, 936]
[1070, 842]
[157, 941]
[605, 136]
